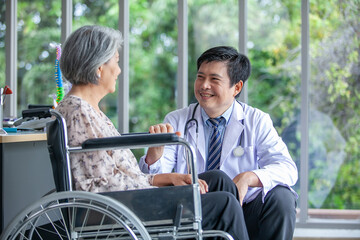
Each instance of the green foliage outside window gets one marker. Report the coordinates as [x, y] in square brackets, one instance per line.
[274, 85]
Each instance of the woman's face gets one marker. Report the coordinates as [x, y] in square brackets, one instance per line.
[109, 73]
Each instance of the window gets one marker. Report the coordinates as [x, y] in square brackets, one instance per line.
[274, 50]
[38, 26]
[210, 27]
[153, 62]
[330, 159]
[2, 43]
[334, 133]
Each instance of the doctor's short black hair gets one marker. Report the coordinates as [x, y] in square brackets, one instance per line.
[238, 65]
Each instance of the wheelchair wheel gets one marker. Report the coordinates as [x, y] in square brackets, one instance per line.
[76, 215]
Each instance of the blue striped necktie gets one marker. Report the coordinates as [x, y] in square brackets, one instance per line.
[215, 145]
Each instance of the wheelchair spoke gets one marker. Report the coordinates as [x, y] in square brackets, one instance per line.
[85, 221]
[101, 223]
[63, 224]
[53, 224]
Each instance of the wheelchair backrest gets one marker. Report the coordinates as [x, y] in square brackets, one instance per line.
[57, 143]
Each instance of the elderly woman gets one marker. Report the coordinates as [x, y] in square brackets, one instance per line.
[89, 61]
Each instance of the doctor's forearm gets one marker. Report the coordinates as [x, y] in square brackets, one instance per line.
[248, 178]
[154, 154]
[245, 180]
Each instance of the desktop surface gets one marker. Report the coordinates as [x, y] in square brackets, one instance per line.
[23, 136]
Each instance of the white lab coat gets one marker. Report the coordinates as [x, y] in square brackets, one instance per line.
[264, 151]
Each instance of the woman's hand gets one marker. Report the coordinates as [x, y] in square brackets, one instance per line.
[155, 153]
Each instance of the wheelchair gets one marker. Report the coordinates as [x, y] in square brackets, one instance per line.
[172, 212]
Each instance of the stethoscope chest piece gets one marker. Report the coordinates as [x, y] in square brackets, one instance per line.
[238, 151]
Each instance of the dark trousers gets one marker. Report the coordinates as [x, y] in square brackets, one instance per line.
[220, 206]
[275, 218]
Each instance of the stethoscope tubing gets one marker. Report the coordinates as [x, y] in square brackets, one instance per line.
[192, 119]
[238, 151]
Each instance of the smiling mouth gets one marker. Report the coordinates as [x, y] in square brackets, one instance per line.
[206, 95]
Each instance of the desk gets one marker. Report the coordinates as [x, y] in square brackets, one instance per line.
[25, 170]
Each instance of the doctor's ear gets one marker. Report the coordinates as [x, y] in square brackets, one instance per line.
[238, 87]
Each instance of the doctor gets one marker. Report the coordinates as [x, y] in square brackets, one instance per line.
[250, 150]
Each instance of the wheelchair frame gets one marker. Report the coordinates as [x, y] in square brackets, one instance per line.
[112, 215]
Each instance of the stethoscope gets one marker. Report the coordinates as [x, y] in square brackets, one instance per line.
[238, 151]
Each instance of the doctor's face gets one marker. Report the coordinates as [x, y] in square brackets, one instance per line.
[212, 88]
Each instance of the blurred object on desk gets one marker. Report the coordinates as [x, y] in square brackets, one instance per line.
[34, 118]
[10, 129]
[34, 124]
[3, 92]
[9, 122]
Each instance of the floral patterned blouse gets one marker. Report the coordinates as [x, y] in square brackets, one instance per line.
[98, 171]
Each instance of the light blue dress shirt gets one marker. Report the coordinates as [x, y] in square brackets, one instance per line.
[208, 128]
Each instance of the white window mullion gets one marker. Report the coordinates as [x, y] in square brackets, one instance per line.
[305, 75]
[243, 41]
[10, 110]
[123, 83]
[66, 19]
[182, 72]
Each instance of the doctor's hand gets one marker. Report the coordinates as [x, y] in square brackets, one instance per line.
[154, 153]
[177, 179]
[185, 179]
[245, 180]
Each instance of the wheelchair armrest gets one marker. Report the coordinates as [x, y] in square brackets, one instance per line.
[140, 141]
[131, 141]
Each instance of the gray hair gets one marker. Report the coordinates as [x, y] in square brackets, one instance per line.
[85, 50]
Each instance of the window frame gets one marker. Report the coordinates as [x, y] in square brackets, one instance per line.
[303, 220]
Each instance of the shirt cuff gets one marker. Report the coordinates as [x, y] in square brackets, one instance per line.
[265, 181]
[144, 167]
[152, 169]
[155, 167]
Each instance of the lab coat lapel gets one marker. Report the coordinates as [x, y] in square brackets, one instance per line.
[233, 132]
[200, 146]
